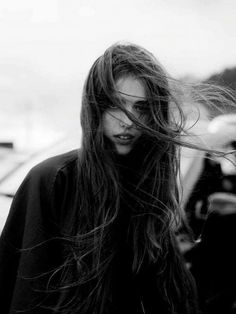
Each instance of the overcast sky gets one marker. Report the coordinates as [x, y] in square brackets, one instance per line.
[48, 46]
[61, 38]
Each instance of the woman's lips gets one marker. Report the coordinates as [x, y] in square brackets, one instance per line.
[124, 138]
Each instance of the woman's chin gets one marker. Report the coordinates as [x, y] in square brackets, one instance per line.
[123, 149]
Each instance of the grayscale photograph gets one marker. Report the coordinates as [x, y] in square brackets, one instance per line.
[117, 156]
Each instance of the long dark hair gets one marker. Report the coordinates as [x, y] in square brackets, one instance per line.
[84, 282]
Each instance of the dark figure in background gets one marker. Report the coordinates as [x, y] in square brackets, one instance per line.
[209, 182]
[212, 213]
[212, 180]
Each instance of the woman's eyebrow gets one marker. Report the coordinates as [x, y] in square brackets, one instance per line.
[142, 102]
[120, 98]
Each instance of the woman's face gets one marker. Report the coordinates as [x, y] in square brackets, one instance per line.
[117, 126]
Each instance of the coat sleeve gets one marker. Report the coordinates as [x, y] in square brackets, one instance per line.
[28, 245]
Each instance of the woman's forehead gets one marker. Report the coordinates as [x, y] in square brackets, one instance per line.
[130, 89]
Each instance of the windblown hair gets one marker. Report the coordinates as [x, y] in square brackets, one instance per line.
[91, 241]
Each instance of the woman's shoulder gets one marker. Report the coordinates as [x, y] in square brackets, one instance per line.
[45, 189]
[56, 174]
[50, 167]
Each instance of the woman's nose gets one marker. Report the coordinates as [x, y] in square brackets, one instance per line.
[125, 121]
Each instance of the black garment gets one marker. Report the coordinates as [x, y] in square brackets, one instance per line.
[138, 292]
[44, 201]
[39, 207]
[213, 263]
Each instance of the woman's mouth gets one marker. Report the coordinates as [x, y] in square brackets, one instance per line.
[124, 139]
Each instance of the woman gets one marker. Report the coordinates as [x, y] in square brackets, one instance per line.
[92, 231]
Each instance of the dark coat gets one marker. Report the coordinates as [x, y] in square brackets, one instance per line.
[31, 248]
[37, 211]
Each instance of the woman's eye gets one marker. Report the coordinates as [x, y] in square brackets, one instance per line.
[141, 108]
[111, 106]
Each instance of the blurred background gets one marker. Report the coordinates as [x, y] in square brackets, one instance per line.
[48, 46]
